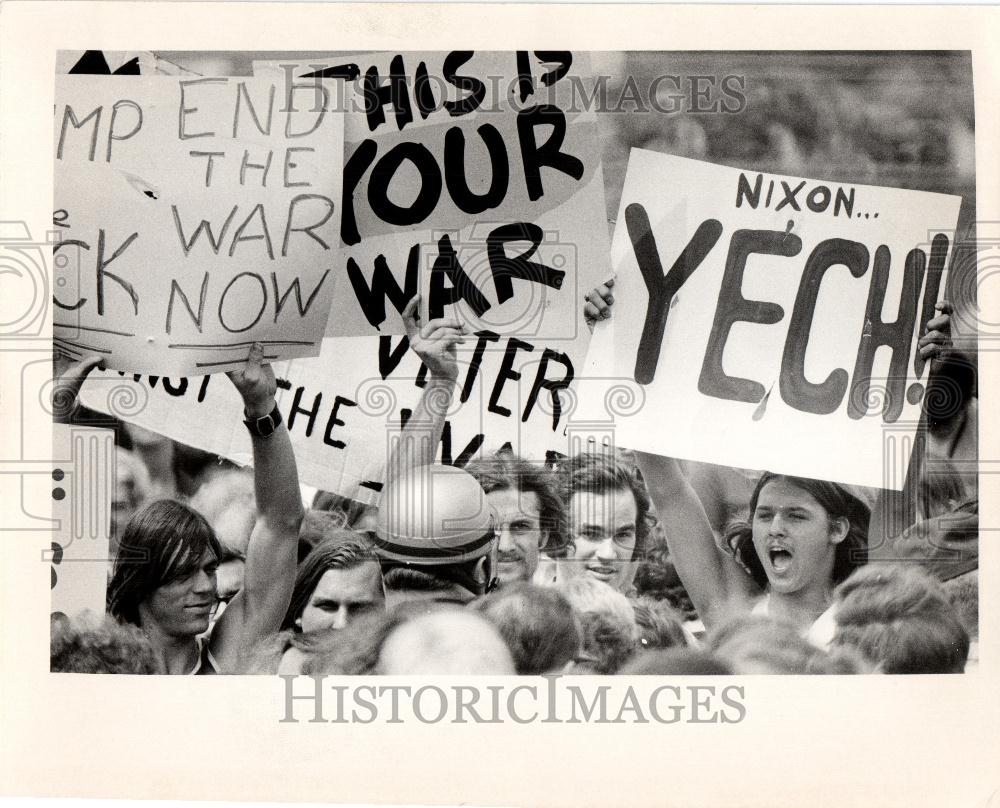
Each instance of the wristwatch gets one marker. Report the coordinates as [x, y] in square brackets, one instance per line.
[266, 425]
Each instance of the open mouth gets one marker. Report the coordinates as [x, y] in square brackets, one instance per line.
[780, 559]
[601, 571]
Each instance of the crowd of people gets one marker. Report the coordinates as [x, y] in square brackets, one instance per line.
[606, 562]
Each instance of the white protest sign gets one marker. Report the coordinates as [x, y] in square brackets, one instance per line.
[344, 407]
[770, 322]
[342, 414]
[196, 215]
[473, 177]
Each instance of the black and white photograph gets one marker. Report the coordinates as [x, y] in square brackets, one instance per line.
[769, 247]
[499, 389]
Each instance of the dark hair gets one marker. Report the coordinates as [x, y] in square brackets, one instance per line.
[346, 510]
[537, 623]
[950, 387]
[401, 577]
[338, 550]
[505, 471]
[676, 662]
[162, 543]
[656, 577]
[939, 487]
[89, 645]
[900, 618]
[600, 473]
[835, 499]
[659, 624]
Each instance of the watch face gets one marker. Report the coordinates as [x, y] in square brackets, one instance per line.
[262, 427]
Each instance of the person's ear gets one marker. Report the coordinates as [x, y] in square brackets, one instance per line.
[839, 528]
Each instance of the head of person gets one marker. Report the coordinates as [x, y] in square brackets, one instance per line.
[755, 644]
[607, 620]
[530, 516]
[435, 536]
[939, 487]
[288, 651]
[660, 625]
[414, 639]
[607, 505]
[226, 499]
[802, 533]
[89, 644]
[656, 576]
[356, 514]
[357, 648]
[165, 571]
[950, 388]
[337, 582]
[901, 619]
[131, 490]
[538, 624]
[448, 640]
[676, 662]
[963, 592]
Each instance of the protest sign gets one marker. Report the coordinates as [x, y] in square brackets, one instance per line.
[473, 177]
[195, 215]
[773, 320]
[344, 409]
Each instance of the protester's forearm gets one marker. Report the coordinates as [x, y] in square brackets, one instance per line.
[689, 534]
[276, 479]
[419, 440]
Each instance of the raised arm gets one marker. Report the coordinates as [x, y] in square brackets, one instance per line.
[269, 573]
[701, 565]
[434, 343]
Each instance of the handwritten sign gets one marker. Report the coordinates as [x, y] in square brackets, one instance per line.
[344, 410]
[196, 215]
[473, 177]
[527, 344]
[771, 322]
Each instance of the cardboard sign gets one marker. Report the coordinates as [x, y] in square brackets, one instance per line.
[196, 215]
[473, 177]
[345, 409]
[771, 322]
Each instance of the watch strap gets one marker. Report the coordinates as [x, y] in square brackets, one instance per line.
[266, 425]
